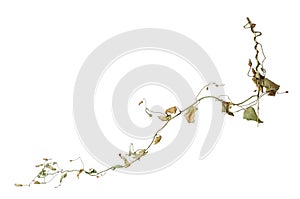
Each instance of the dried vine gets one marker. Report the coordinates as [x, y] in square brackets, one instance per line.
[49, 170]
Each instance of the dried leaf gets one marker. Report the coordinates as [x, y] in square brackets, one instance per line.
[263, 82]
[250, 63]
[171, 110]
[225, 108]
[139, 153]
[271, 87]
[19, 185]
[164, 118]
[36, 182]
[50, 167]
[258, 83]
[79, 172]
[126, 162]
[62, 177]
[250, 114]
[157, 139]
[117, 167]
[253, 71]
[190, 114]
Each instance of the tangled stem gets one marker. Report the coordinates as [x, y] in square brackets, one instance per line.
[50, 170]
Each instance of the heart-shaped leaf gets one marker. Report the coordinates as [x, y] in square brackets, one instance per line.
[250, 114]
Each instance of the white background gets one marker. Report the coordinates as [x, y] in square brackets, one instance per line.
[43, 45]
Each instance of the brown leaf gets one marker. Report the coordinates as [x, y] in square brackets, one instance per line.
[190, 114]
[164, 118]
[253, 71]
[18, 185]
[263, 82]
[171, 110]
[257, 82]
[36, 182]
[157, 139]
[225, 108]
[271, 87]
[79, 172]
[250, 63]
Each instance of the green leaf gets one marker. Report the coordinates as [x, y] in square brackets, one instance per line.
[250, 114]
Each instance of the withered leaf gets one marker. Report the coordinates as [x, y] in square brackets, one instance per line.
[37, 182]
[79, 172]
[157, 139]
[126, 162]
[253, 71]
[62, 177]
[250, 63]
[171, 110]
[117, 167]
[19, 185]
[164, 118]
[50, 167]
[190, 114]
[271, 87]
[250, 114]
[225, 108]
[139, 153]
[263, 82]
